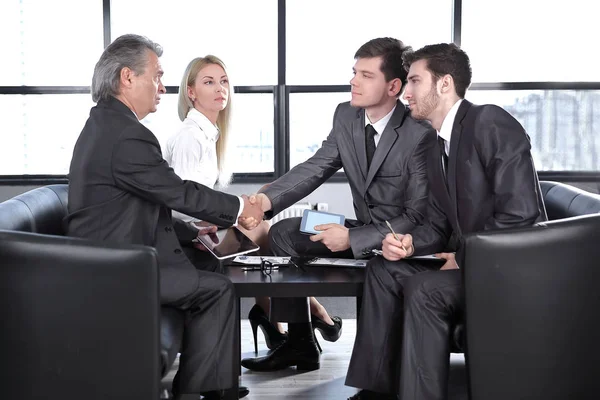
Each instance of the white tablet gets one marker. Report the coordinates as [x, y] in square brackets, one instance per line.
[310, 218]
[227, 243]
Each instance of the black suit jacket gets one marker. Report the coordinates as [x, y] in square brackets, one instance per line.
[121, 190]
[394, 188]
[492, 182]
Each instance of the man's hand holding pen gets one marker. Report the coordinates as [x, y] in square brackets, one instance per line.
[397, 247]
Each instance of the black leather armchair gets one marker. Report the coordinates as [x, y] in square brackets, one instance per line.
[76, 315]
[561, 201]
[41, 212]
[532, 301]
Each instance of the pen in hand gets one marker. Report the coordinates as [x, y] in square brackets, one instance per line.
[396, 236]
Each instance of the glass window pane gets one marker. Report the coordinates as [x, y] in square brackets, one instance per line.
[50, 43]
[241, 33]
[311, 120]
[563, 125]
[252, 131]
[39, 132]
[322, 36]
[529, 40]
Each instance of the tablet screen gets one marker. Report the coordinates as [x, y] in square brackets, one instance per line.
[310, 218]
[228, 243]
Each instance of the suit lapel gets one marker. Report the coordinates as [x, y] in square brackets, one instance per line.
[388, 138]
[358, 136]
[455, 137]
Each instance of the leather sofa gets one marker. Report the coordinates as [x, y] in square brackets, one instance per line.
[40, 212]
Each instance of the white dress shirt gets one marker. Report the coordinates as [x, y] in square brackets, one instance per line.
[379, 125]
[192, 153]
[445, 131]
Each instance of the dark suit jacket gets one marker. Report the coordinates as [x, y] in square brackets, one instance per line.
[492, 183]
[394, 188]
[121, 190]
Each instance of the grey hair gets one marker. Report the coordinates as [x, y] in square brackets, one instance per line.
[126, 51]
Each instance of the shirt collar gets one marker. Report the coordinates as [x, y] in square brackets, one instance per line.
[382, 123]
[446, 131]
[210, 131]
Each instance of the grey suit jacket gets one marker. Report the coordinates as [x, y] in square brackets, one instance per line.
[394, 188]
[121, 190]
[492, 182]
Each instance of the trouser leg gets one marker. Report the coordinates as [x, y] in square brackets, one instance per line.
[433, 303]
[206, 361]
[286, 239]
[375, 361]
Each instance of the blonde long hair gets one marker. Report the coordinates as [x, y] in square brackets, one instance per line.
[223, 121]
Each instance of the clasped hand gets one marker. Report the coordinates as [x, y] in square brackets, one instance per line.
[252, 214]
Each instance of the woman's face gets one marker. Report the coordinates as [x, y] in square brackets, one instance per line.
[210, 92]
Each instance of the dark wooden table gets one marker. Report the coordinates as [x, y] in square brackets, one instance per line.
[292, 281]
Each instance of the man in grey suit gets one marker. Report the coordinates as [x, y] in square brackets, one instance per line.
[121, 190]
[383, 153]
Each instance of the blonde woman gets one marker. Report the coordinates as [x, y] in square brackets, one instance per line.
[198, 151]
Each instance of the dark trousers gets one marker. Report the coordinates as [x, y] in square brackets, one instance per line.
[286, 240]
[206, 360]
[403, 334]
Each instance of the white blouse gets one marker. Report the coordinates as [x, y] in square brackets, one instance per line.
[192, 152]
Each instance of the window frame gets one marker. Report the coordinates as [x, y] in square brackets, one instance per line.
[281, 96]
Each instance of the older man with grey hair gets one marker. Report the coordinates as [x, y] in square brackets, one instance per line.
[121, 190]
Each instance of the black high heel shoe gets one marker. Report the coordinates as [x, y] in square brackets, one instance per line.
[258, 318]
[331, 333]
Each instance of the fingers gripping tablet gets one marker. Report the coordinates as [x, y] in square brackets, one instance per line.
[227, 243]
[310, 218]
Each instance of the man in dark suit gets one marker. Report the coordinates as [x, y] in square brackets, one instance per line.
[121, 190]
[383, 153]
[481, 177]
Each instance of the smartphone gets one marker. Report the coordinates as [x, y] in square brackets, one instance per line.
[310, 218]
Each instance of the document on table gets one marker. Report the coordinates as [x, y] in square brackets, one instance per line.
[424, 257]
[337, 262]
[256, 260]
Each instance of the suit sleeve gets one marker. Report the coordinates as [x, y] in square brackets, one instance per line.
[414, 206]
[138, 167]
[505, 151]
[304, 178]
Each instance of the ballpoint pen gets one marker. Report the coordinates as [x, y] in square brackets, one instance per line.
[396, 236]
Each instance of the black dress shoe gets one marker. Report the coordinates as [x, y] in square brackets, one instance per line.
[302, 354]
[331, 333]
[369, 395]
[225, 394]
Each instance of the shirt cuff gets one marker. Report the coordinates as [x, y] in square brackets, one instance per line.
[240, 211]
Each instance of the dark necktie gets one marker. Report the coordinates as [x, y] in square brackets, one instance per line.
[444, 156]
[370, 133]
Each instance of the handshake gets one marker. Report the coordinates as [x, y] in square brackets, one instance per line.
[255, 207]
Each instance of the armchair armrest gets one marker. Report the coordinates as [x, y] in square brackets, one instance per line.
[76, 314]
